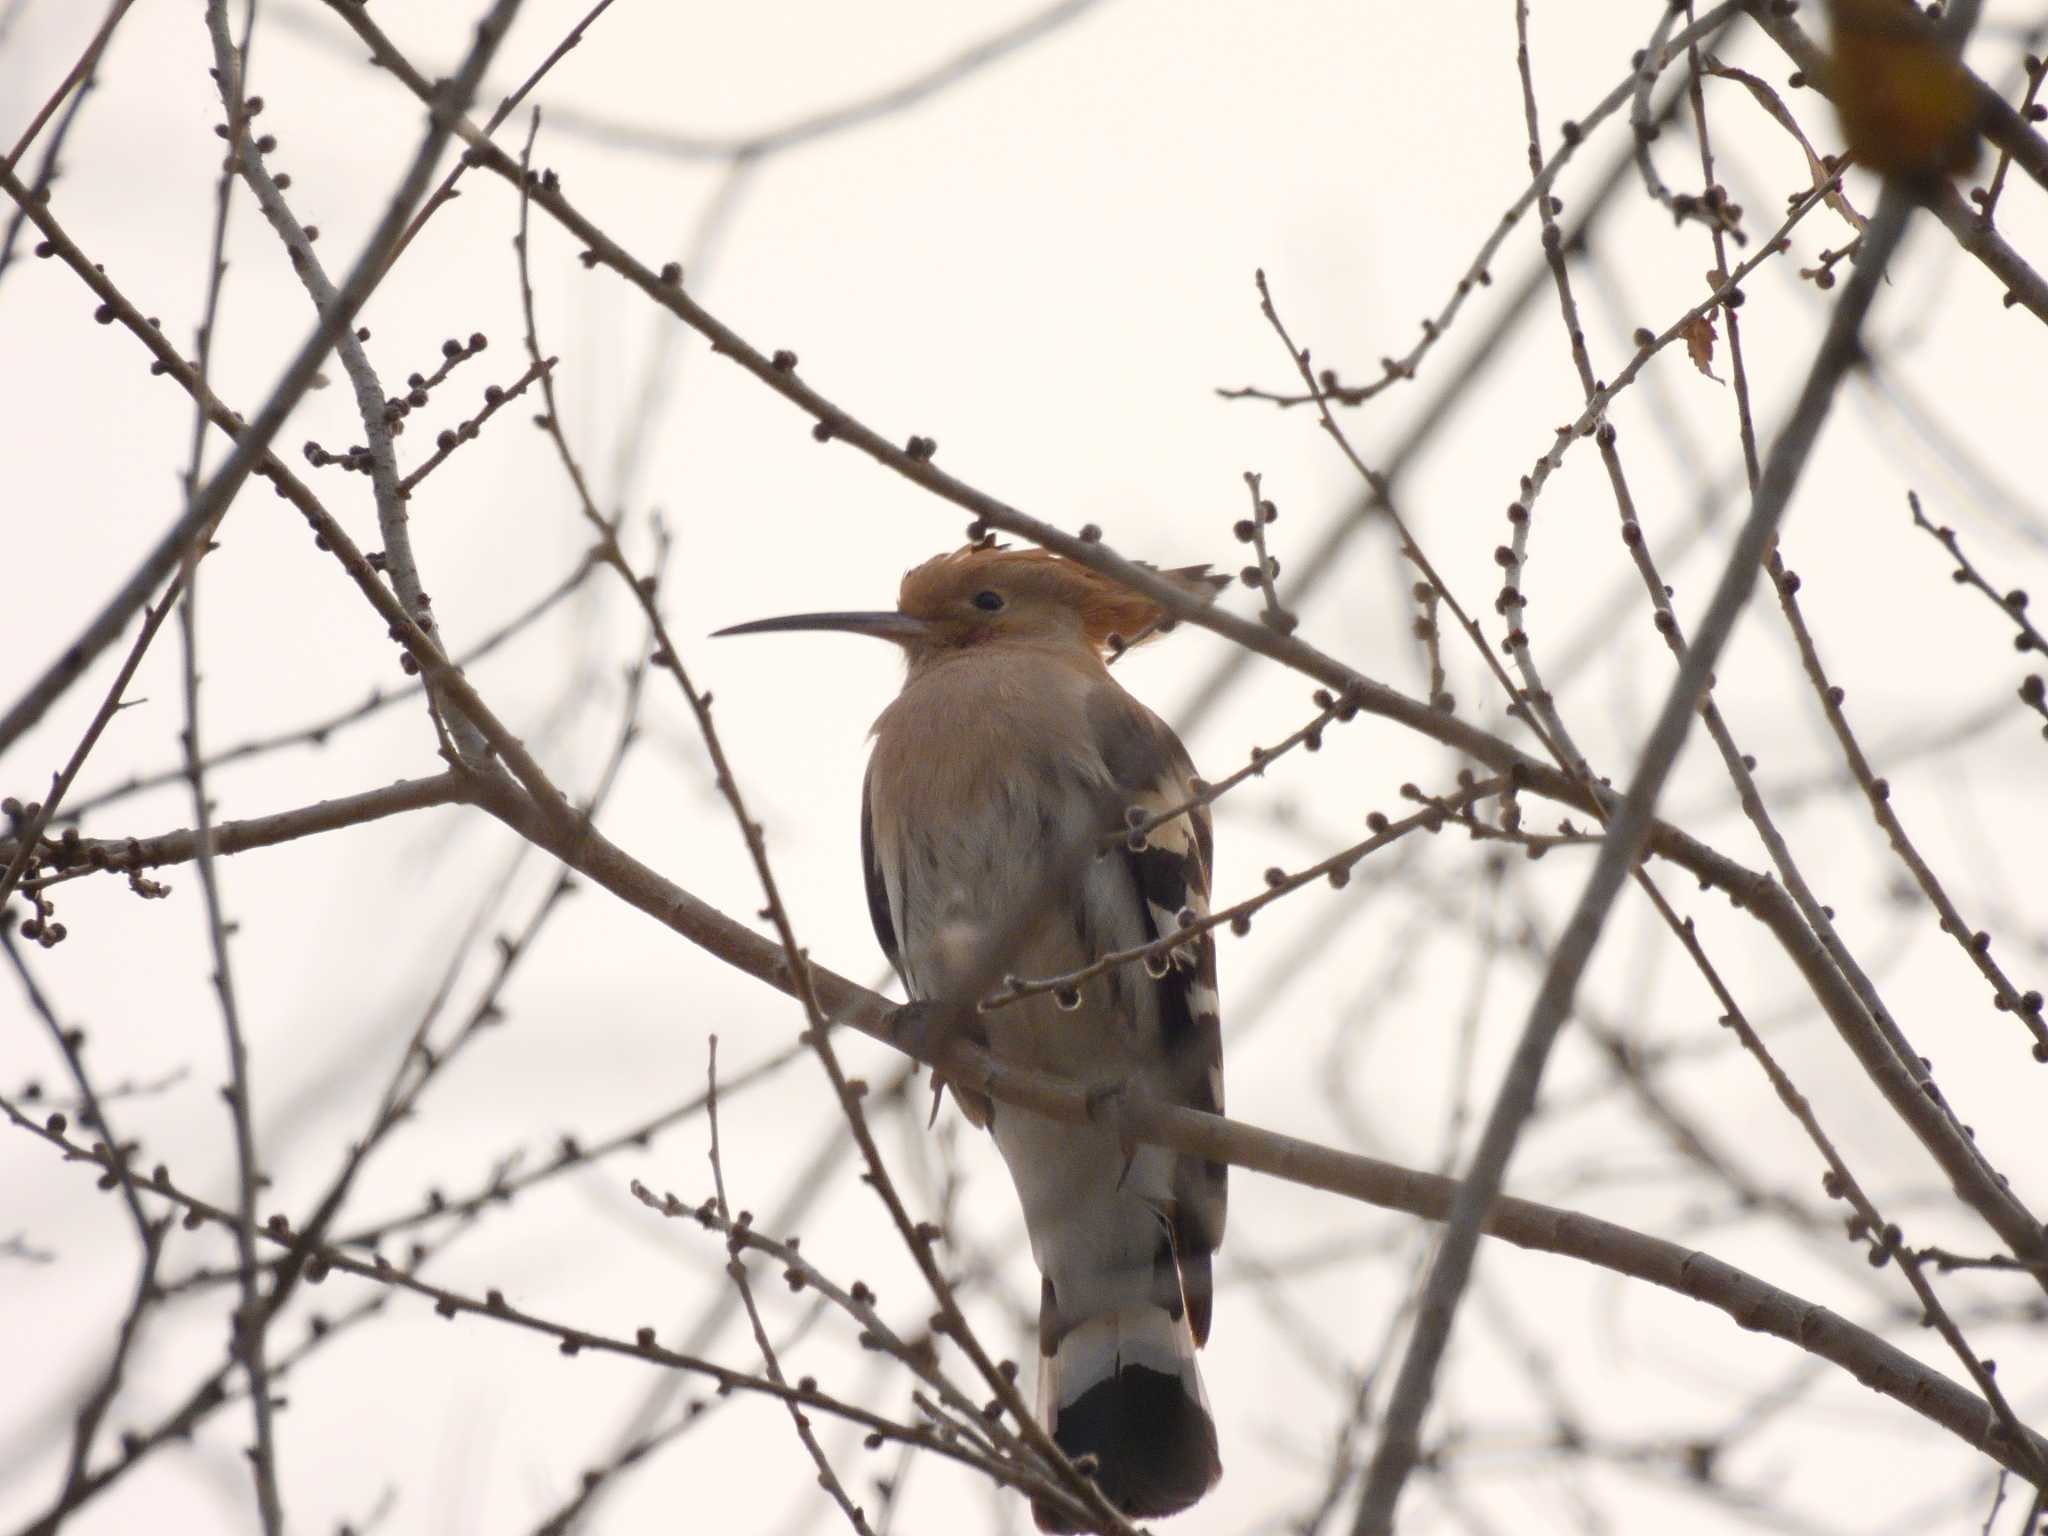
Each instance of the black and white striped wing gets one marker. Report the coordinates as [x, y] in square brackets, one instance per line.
[1170, 866]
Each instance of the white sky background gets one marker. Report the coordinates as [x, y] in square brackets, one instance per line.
[1048, 269]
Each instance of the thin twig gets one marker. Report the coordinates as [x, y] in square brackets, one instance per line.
[248, 1333]
[323, 730]
[495, 399]
[78, 78]
[1987, 202]
[446, 192]
[150, 1234]
[811, 127]
[736, 1269]
[1260, 575]
[29, 832]
[1336, 869]
[78, 85]
[251, 1316]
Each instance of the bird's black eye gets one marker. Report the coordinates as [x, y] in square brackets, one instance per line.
[989, 602]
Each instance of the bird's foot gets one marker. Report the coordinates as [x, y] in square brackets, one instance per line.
[1110, 1104]
[921, 1028]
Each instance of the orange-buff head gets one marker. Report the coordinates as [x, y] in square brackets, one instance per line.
[988, 595]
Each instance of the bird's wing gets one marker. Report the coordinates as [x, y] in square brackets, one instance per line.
[878, 887]
[1170, 866]
[882, 912]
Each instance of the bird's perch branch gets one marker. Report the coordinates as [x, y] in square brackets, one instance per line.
[1753, 1303]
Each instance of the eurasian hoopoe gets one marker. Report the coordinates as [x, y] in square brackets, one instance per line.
[1005, 823]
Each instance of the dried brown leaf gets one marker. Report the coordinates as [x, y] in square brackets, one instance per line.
[1699, 345]
[1772, 103]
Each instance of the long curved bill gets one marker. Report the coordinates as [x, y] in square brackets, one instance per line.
[899, 627]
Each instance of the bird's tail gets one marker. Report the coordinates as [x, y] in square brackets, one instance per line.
[1122, 1389]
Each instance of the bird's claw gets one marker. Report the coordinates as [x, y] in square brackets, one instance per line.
[1109, 1104]
[1107, 1101]
[919, 1028]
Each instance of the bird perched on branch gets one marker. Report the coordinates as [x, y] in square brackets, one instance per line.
[1023, 816]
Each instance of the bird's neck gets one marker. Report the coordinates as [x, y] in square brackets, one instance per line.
[1012, 655]
[979, 709]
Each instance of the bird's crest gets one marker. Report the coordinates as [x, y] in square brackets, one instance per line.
[1112, 614]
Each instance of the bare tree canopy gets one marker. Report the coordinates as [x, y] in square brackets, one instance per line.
[452, 1081]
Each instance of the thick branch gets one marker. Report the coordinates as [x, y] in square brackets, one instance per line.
[71, 856]
[1752, 1303]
